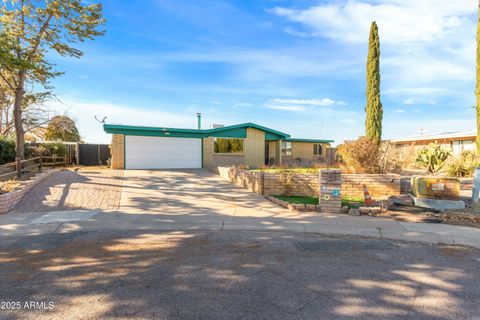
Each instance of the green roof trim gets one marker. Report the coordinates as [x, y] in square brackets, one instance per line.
[270, 134]
[234, 131]
[309, 140]
[153, 131]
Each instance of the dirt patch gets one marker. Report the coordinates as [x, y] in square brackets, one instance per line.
[469, 217]
[455, 251]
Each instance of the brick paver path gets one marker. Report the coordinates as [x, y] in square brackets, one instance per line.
[70, 190]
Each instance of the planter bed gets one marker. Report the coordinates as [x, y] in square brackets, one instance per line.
[10, 199]
[346, 201]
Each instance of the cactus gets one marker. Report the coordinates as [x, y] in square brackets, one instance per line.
[433, 157]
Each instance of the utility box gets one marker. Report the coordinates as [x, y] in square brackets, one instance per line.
[443, 188]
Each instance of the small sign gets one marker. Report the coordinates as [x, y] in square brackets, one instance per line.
[438, 186]
[326, 197]
[336, 192]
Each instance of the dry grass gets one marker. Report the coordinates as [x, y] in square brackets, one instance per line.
[8, 186]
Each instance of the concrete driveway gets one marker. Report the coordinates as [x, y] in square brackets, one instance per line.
[198, 195]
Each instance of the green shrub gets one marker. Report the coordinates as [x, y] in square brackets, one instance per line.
[462, 165]
[433, 157]
[53, 149]
[7, 150]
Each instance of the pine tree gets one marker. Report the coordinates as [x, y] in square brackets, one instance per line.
[477, 91]
[373, 109]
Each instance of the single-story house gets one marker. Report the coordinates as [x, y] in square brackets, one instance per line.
[455, 141]
[135, 147]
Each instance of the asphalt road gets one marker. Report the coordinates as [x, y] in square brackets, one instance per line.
[235, 275]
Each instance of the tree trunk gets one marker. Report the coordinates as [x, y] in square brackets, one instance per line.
[17, 117]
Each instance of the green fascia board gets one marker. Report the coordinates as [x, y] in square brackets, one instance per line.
[272, 134]
[309, 140]
[234, 131]
[154, 131]
[229, 133]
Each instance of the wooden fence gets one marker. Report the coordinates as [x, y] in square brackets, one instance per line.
[21, 167]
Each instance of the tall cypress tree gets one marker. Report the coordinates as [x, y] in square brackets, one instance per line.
[477, 91]
[373, 108]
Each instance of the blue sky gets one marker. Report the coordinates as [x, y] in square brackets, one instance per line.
[295, 66]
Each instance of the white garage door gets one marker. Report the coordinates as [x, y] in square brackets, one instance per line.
[162, 153]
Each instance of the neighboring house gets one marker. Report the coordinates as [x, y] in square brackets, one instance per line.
[136, 147]
[455, 141]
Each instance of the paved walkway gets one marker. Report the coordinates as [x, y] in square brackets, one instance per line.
[73, 190]
[200, 200]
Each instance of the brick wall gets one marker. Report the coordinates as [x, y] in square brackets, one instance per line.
[118, 151]
[254, 147]
[380, 186]
[250, 180]
[9, 200]
[324, 185]
[302, 150]
[330, 199]
[291, 184]
[302, 154]
[208, 146]
[226, 160]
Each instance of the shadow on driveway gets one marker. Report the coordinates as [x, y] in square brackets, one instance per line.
[237, 275]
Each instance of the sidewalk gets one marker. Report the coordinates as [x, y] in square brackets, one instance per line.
[17, 226]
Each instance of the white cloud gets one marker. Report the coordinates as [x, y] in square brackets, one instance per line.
[325, 102]
[243, 104]
[302, 104]
[217, 102]
[399, 21]
[295, 32]
[428, 46]
[287, 108]
[399, 110]
[349, 121]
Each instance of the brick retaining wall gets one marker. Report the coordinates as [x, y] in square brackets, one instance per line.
[380, 186]
[9, 200]
[251, 180]
[291, 184]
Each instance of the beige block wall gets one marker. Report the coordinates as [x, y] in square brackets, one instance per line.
[304, 150]
[117, 149]
[221, 160]
[254, 147]
[208, 147]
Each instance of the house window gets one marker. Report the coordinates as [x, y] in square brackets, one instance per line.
[317, 149]
[228, 145]
[286, 148]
